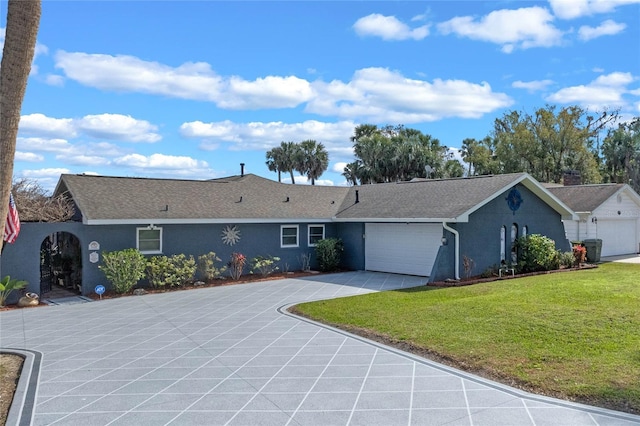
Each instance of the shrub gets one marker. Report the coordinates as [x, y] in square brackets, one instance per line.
[207, 266]
[265, 265]
[8, 286]
[305, 262]
[183, 269]
[567, 259]
[537, 253]
[579, 254]
[172, 271]
[467, 264]
[123, 268]
[236, 265]
[329, 252]
[157, 270]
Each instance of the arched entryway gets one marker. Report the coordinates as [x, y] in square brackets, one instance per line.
[60, 265]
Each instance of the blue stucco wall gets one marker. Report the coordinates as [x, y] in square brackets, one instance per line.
[352, 237]
[480, 237]
[21, 260]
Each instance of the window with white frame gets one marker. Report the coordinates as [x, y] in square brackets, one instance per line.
[149, 239]
[316, 233]
[289, 236]
[503, 243]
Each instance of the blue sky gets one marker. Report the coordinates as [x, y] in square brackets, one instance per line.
[193, 89]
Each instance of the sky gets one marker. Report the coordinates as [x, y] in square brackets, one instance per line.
[181, 89]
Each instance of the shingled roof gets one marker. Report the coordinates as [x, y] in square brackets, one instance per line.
[252, 199]
[586, 198]
[248, 198]
[432, 200]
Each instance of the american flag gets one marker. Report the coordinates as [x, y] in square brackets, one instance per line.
[12, 227]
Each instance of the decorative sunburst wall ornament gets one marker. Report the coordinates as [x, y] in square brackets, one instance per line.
[230, 235]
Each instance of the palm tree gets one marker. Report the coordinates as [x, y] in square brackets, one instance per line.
[283, 158]
[274, 161]
[290, 153]
[313, 160]
[23, 19]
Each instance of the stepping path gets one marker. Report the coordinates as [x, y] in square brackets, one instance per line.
[233, 356]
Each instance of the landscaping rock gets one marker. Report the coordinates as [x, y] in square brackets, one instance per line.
[139, 292]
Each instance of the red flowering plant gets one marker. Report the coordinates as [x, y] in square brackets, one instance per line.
[579, 255]
[236, 265]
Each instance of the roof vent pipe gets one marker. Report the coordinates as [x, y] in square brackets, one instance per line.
[357, 197]
[241, 169]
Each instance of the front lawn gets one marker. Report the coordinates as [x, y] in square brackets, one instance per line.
[573, 335]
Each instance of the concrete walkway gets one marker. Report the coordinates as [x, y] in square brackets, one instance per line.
[231, 356]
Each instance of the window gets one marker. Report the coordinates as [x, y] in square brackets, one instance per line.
[316, 233]
[149, 240]
[525, 231]
[503, 243]
[514, 237]
[289, 236]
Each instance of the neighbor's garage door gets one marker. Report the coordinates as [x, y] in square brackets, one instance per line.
[618, 236]
[402, 248]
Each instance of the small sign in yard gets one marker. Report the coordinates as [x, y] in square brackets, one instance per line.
[99, 290]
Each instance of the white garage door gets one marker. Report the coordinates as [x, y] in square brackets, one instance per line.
[618, 236]
[402, 248]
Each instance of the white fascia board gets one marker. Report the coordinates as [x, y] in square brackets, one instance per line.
[401, 219]
[165, 221]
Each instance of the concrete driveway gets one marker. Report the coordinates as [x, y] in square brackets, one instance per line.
[231, 356]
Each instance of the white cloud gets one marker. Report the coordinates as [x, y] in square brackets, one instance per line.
[119, 127]
[160, 161]
[373, 94]
[263, 136]
[606, 91]
[512, 29]
[532, 86]
[379, 95]
[339, 167]
[83, 160]
[195, 81]
[388, 28]
[44, 173]
[570, 9]
[54, 80]
[608, 27]
[41, 125]
[267, 92]
[43, 144]
[106, 126]
[29, 157]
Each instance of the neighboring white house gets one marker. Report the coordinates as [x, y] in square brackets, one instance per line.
[610, 212]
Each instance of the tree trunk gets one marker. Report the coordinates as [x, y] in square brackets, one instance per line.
[23, 19]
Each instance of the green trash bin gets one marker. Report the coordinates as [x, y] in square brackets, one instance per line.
[594, 248]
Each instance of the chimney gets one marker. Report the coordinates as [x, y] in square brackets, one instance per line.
[571, 178]
[357, 197]
[241, 169]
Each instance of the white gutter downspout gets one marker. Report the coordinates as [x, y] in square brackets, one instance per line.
[456, 248]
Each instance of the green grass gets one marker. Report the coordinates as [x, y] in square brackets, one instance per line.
[574, 335]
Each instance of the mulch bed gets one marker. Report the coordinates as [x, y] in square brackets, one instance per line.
[479, 280]
[245, 279]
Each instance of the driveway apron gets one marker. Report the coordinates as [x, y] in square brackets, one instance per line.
[233, 356]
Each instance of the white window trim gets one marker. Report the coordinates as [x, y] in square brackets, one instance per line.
[309, 233]
[148, 228]
[503, 243]
[297, 244]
